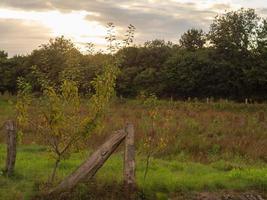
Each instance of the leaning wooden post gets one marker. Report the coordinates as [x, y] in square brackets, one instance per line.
[89, 168]
[11, 147]
[129, 163]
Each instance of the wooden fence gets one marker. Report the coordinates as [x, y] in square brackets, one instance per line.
[89, 167]
[11, 140]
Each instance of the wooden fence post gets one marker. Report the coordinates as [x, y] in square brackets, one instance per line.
[98, 158]
[129, 163]
[11, 147]
[89, 168]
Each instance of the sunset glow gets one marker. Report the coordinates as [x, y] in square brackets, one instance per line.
[85, 21]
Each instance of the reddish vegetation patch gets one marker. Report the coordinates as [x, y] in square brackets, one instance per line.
[197, 129]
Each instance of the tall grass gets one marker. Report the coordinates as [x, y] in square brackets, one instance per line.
[220, 145]
[202, 131]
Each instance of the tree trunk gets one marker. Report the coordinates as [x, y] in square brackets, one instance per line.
[54, 171]
[147, 165]
[92, 164]
[129, 163]
[11, 147]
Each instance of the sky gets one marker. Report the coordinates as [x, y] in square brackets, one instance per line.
[25, 24]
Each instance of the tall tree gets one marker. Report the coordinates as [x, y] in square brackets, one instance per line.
[193, 39]
[56, 60]
[10, 70]
[141, 67]
[235, 31]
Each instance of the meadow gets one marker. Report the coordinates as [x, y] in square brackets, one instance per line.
[208, 147]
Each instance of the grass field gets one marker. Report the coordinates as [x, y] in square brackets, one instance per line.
[165, 176]
[210, 147]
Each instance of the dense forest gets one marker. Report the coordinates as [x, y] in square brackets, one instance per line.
[228, 61]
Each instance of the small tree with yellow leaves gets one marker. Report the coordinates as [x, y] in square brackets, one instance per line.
[154, 140]
[23, 102]
[62, 125]
[61, 119]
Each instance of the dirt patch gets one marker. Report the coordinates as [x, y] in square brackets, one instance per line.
[95, 191]
[222, 195]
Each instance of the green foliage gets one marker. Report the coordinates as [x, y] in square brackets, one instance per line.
[154, 140]
[129, 35]
[10, 70]
[210, 146]
[90, 48]
[193, 39]
[24, 99]
[54, 61]
[111, 38]
[165, 178]
[228, 62]
[235, 31]
[104, 85]
[141, 68]
[61, 125]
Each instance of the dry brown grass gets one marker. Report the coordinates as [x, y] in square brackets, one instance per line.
[199, 130]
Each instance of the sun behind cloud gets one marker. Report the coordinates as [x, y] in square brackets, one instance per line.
[84, 21]
[73, 25]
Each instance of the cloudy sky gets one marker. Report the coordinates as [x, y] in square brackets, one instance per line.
[25, 24]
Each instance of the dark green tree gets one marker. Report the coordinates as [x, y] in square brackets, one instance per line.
[193, 39]
[235, 31]
[10, 70]
[55, 60]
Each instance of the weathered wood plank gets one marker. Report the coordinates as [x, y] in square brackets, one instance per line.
[92, 164]
[11, 135]
[129, 163]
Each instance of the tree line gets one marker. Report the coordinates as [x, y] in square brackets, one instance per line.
[228, 61]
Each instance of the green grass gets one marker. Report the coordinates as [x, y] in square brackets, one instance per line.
[6, 112]
[5, 108]
[34, 166]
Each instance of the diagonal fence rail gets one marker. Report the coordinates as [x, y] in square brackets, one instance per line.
[90, 167]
